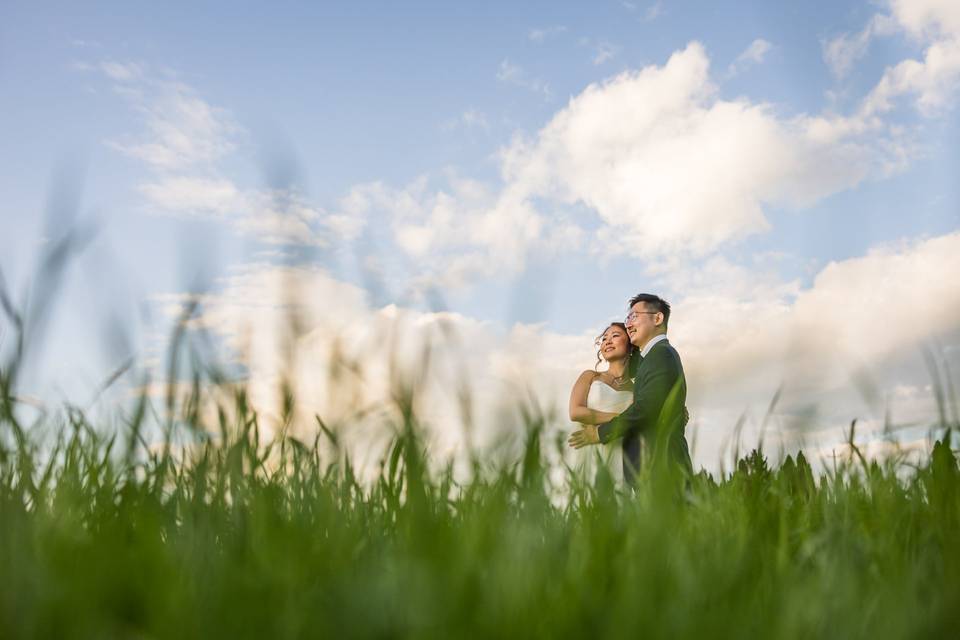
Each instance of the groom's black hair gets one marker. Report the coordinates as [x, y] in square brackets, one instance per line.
[658, 304]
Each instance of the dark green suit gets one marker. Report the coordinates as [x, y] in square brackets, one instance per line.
[657, 417]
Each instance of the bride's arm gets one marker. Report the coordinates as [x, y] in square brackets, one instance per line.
[578, 402]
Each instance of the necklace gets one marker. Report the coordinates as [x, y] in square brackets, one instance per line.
[615, 381]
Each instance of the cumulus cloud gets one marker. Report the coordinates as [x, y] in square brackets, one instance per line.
[669, 166]
[928, 19]
[741, 335]
[731, 330]
[458, 230]
[653, 162]
[346, 360]
[849, 345]
[932, 81]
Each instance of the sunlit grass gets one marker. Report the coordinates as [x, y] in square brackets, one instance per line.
[284, 541]
[205, 531]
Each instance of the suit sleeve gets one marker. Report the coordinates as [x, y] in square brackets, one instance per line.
[648, 399]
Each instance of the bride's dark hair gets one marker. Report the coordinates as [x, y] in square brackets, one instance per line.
[632, 362]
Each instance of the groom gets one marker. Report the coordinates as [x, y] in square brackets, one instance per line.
[657, 418]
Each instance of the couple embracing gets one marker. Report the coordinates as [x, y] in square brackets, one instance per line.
[638, 402]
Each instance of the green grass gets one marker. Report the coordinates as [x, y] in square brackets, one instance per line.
[102, 536]
[99, 539]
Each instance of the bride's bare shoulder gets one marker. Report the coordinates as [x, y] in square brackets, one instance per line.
[585, 379]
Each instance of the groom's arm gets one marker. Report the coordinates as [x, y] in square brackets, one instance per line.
[648, 400]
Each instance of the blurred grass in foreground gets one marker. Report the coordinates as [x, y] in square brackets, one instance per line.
[234, 539]
[109, 536]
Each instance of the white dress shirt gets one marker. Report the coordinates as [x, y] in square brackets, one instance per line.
[652, 341]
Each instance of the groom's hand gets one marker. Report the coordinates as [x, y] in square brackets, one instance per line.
[585, 436]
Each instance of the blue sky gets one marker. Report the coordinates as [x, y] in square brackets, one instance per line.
[532, 163]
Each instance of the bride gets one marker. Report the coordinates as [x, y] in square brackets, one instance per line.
[598, 396]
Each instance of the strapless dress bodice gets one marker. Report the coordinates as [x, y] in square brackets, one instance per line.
[603, 397]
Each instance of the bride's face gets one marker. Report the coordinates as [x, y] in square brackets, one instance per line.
[614, 344]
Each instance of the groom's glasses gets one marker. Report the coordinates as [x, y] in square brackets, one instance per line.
[634, 314]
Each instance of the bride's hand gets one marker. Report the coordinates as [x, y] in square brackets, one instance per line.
[587, 435]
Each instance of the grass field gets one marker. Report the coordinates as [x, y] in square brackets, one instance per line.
[100, 539]
[108, 533]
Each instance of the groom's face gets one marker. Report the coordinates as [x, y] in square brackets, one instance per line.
[642, 324]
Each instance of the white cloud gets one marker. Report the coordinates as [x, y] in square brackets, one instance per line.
[193, 195]
[655, 156]
[186, 138]
[741, 336]
[653, 11]
[183, 131]
[80, 65]
[659, 160]
[474, 118]
[81, 43]
[756, 52]
[470, 119]
[273, 217]
[604, 51]
[511, 73]
[508, 72]
[653, 160]
[668, 166]
[122, 72]
[932, 81]
[280, 324]
[753, 54]
[928, 19]
[541, 34]
[650, 13]
[457, 231]
[843, 51]
[857, 311]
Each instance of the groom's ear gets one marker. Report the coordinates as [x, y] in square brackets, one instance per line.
[658, 319]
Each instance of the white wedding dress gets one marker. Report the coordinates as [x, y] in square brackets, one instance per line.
[603, 397]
